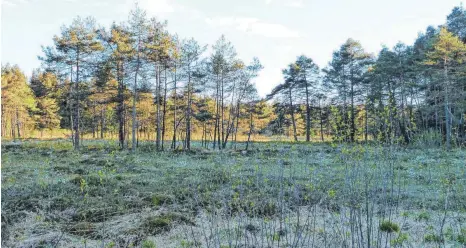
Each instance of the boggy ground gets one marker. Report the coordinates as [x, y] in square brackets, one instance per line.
[275, 195]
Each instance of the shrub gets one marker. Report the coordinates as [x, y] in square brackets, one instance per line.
[398, 241]
[423, 216]
[461, 238]
[388, 226]
[432, 238]
[158, 200]
[156, 224]
[251, 228]
[148, 244]
[81, 229]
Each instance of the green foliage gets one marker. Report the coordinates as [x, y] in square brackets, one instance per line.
[398, 241]
[388, 226]
[157, 224]
[148, 244]
[163, 222]
[17, 101]
[111, 244]
[424, 216]
[81, 229]
[433, 238]
[158, 200]
[461, 237]
[448, 48]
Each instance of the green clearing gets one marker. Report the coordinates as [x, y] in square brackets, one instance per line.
[275, 195]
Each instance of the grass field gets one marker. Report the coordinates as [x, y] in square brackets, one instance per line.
[274, 195]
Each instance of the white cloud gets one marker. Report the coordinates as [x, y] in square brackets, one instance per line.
[253, 26]
[162, 9]
[295, 3]
[157, 6]
[8, 3]
[290, 3]
[14, 2]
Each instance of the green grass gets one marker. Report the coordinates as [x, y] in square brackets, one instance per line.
[103, 193]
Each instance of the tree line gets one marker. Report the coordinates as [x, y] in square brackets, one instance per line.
[136, 81]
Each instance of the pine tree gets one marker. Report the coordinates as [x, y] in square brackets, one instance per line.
[345, 74]
[45, 89]
[448, 54]
[17, 102]
[75, 49]
[308, 77]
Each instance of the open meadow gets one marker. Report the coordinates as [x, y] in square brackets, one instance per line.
[275, 194]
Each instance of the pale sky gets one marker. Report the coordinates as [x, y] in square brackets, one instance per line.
[276, 31]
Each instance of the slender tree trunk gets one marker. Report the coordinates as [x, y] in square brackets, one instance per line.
[18, 123]
[365, 123]
[321, 123]
[295, 135]
[447, 108]
[120, 107]
[174, 113]
[230, 122]
[77, 107]
[164, 106]
[126, 127]
[102, 123]
[308, 115]
[158, 118]
[222, 111]
[3, 122]
[93, 121]
[251, 125]
[353, 126]
[13, 126]
[215, 131]
[135, 95]
[217, 115]
[237, 123]
[188, 111]
[403, 122]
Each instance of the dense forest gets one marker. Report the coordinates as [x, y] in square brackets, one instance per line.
[137, 81]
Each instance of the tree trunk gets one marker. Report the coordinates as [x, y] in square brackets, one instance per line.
[237, 123]
[18, 123]
[217, 116]
[365, 123]
[222, 111]
[447, 108]
[353, 127]
[295, 135]
[321, 123]
[188, 111]
[93, 121]
[308, 115]
[102, 123]
[158, 117]
[251, 125]
[230, 123]
[76, 110]
[135, 95]
[164, 106]
[174, 113]
[120, 107]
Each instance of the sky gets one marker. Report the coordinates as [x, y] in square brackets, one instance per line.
[275, 31]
